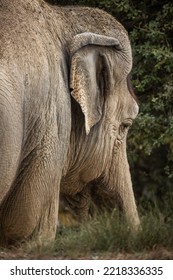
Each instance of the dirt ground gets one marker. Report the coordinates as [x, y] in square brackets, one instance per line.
[155, 254]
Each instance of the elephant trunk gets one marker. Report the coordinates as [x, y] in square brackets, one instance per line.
[120, 184]
[125, 190]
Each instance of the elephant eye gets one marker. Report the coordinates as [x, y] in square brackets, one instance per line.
[125, 125]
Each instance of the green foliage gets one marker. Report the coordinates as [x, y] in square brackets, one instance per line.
[151, 139]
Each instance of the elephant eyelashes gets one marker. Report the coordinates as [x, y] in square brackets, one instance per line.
[126, 124]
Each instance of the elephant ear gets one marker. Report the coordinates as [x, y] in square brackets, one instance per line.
[89, 74]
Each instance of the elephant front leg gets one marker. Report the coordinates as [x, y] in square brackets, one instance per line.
[30, 211]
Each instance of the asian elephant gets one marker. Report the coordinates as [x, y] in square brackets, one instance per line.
[65, 109]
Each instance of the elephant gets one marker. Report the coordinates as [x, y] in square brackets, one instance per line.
[66, 105]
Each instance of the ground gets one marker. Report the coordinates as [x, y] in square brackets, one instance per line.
[155, 254]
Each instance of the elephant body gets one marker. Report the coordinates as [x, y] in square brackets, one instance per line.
[65, 109]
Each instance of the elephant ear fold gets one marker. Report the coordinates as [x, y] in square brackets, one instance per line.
[89, 76]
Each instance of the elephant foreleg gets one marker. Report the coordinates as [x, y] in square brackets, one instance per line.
[30, 210]
[11, 134]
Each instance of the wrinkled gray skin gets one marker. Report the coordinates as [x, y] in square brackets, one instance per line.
[65, 109]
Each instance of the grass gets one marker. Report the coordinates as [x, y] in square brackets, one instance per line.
[108, 233]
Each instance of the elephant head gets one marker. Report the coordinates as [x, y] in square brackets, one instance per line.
[100, 84]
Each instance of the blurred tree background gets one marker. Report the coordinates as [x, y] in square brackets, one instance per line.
[150, 143]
